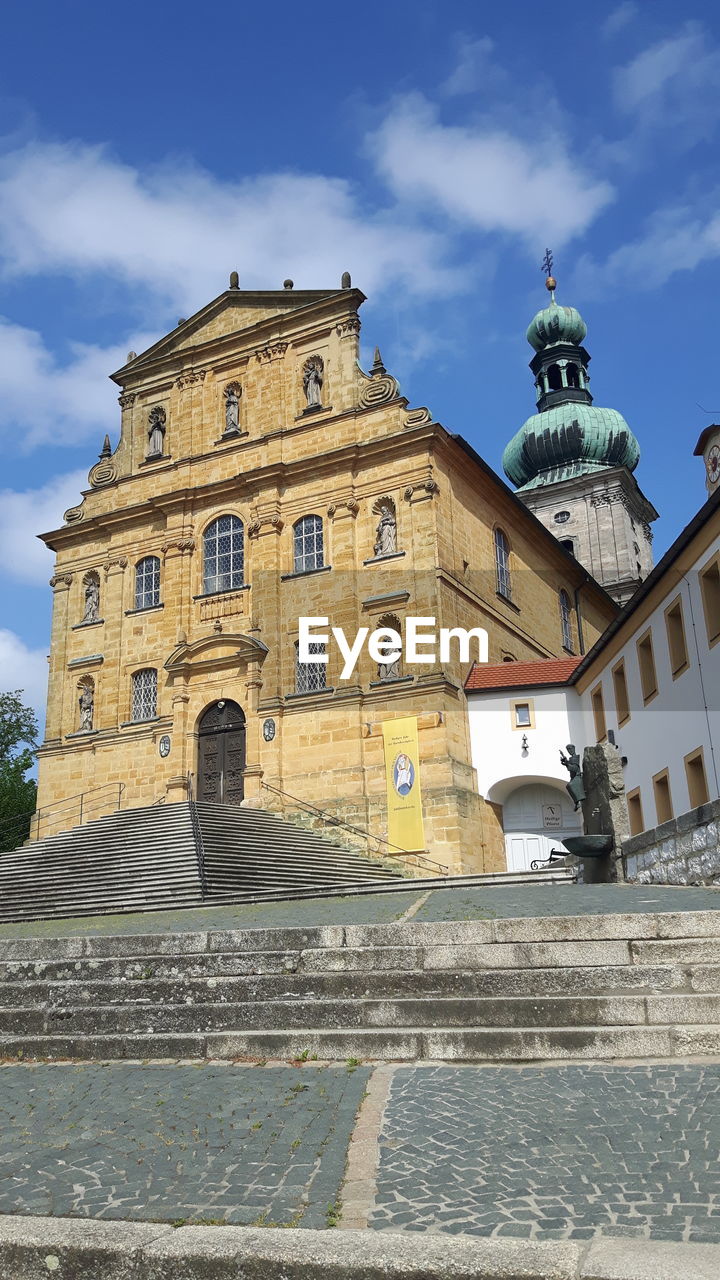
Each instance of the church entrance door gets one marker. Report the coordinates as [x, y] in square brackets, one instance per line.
[221, 754]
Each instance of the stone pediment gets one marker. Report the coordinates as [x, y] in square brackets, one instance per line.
[232, 312]
[215, 652]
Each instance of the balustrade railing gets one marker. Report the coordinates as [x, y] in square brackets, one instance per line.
[51, 819]
[375, 845]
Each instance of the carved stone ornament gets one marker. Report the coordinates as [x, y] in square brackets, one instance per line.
[417, 417]
[74, 514]
[271, 523]
[86, 703]
[184, 545]
[380, 386]
[350, 504]
[127, 400]
[647, 531]
[117, 562]
[91, 596]
[61, 580]
[609, 498]
[274, 351]
[190, 378]
[104, 471]
[348, 328]
[428, 486]
[313, 378]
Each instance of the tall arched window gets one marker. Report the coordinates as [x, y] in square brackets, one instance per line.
[308, 544]
[502, 564]
[566, 620]
[144, 694]
[223, 555]
[147, 582]
[310, 676]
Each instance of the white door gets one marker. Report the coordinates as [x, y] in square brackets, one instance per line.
[536, 818]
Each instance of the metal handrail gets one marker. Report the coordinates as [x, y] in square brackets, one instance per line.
[59, 806]
[197, 835]
[393, 850]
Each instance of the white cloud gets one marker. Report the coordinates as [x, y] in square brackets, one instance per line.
[42, 400]
[619, 19]
[674, 240]
[474, 67]
[24, 668]
[25, 514]
[673, 80]
[179, 231]
[485, 178]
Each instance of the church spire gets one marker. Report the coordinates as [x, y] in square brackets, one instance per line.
[561, 363]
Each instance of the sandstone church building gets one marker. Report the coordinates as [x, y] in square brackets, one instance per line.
[262, 475]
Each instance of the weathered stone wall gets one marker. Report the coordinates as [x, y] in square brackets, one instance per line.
[685, 850]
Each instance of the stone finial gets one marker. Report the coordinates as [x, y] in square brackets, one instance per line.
[106, 451]
[346, 282]
[377, 368]
[131, 355]
[181, 320]
[234, 280]
[288, 284]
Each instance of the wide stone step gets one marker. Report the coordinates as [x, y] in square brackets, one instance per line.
[273, 975]
[537, 1044]
[363, 1014]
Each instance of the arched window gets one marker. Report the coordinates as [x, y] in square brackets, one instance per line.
[223, 555]
[566, 620]
[308, 544]
[310, 676]
[144, 694]
[147, 582]
[390, 669]
[571, 375]
[502, 564]
[554, 378]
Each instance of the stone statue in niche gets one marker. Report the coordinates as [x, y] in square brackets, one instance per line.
[232, 410]
[574, 787]
[389, 670]
[156, 432]
[87, 707]
[92, 599]
[313, 381]
[386, 532]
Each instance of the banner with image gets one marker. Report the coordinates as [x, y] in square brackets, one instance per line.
[402, 777]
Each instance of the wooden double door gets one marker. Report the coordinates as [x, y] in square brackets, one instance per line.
[221, 754]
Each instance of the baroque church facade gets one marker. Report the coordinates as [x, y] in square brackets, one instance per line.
[262, 476]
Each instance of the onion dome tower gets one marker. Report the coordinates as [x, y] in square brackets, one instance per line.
[573, 461]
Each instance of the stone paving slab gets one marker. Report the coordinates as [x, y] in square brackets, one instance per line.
[567, 1152]
[237, 1144]
[491, 903]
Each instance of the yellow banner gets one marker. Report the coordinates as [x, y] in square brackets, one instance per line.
[402, 778]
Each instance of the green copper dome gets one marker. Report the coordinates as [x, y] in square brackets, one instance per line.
[569, 440]
[556, 324]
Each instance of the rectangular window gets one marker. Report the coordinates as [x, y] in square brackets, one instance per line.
[696, 778]
[622, 703]
[522, 714]
[663, 799]
[635, 813]
[677, 646]
[710, 591]
[646, 662]
[598, 709]
[144, 694]
[310, 676]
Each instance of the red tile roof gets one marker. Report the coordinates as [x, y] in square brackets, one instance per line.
[521, 675]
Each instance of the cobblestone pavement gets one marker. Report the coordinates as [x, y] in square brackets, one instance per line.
[500, 901]
[553, 1153]
[263, 1145]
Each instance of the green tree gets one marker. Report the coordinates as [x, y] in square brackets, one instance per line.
[18, 738]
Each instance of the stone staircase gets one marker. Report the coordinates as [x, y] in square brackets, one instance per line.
[174, 855]
[510, 990]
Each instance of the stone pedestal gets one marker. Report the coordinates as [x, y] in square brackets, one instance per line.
[604, 808]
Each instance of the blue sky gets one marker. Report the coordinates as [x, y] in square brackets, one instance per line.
[433, 150]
